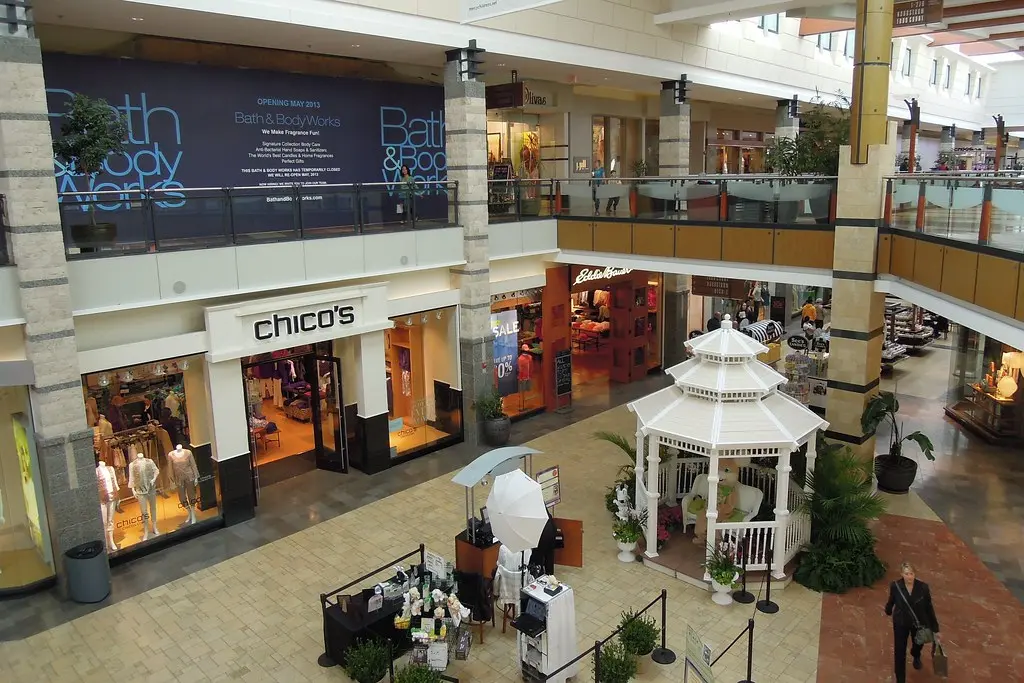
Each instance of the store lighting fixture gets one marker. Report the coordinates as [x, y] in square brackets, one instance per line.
[439, 314]
[356, 45]
[183, 365]
[408, 322]
[127, 376]
[104, 380]
[423, 319]
[137, 19]
[159, 369]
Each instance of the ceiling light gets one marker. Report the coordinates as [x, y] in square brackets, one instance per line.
[439, 315]
[104, 381]
[137, 19]
[355, 45]
[501, 64]
[183, 365]
[408, 322]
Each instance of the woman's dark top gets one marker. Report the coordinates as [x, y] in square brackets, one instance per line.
[920, 598]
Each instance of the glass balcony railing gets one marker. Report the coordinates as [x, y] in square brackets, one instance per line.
[701, 199]
[130, 222]
[520, 200]
[980, 209]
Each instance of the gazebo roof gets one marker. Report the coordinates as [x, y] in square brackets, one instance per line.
[725, 399]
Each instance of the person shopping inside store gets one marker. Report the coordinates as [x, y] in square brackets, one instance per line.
[819, 313]
[808, 314]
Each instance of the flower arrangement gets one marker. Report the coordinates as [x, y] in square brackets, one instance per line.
[721, 565]
[670, 518]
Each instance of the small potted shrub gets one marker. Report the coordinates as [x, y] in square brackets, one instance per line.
[616, 664]
[367, 661]
[639, 635]
[417, 673]
[627, 533]
[724, 573]
[640, 170]
[895, 472]
[496, 425]
[90, 131]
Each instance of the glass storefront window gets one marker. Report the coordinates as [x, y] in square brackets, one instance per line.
[421, 363]
[518, 350]
[25, 554]
[140, 415]
[984, 386]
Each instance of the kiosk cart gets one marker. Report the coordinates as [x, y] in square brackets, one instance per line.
[546, 628]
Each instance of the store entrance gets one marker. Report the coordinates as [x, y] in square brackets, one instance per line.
[294, 408]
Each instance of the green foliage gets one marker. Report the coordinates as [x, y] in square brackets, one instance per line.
[836, 568]
[883, 407]
[840, 503]
[628, 530]
[639, 634]
[489, 406]
[721, 565]
[367, 661]
[824, 128]
[417, 673]
[617, 665]
[841, 554]
[90, 131]
[624, 444]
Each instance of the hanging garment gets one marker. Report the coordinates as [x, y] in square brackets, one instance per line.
[118, 459]
[278, 394]
[105, 427]
[91, 411]
[406, 383]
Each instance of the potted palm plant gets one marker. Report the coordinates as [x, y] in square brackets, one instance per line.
[824, 128]
[894, 471]
[616, 664]
[90, 131]
[497, 427]
[841, 506]
[724, 572]
[638, 635]
[367, 661]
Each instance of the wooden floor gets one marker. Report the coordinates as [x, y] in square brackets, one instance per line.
[296, 436]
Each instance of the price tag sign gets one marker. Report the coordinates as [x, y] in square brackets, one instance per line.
[375, 603]
[435, 564]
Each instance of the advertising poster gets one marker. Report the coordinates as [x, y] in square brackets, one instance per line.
[505, 326]
[209, 127]
[698, 659]
[31, 487]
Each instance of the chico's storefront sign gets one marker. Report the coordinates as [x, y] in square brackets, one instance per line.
[277, 325]
[592, 274]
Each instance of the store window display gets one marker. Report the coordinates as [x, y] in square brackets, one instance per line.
[141, 433]
[513, 155]
[516, 321]
[422, 375]
[984, 392]
[25, 555]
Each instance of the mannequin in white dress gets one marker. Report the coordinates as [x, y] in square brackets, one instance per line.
[142, 476]
[106, 480]
[185, 476]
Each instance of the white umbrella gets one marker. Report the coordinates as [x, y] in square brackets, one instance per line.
[517, 511]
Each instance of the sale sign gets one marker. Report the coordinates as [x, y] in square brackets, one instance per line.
[505, 326]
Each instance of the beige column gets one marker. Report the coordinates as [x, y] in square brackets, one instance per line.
[36, 245]
[673, 133]
[857, 310]
[466, 148]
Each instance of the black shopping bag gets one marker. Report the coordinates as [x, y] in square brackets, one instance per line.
[939, 662]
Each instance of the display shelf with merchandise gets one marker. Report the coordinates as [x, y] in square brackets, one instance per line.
[905, 325]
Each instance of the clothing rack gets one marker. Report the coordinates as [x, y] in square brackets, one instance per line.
[130, 436]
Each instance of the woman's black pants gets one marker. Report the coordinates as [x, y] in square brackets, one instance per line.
[900, 635]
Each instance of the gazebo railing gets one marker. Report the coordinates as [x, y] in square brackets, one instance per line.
[798, 534]
[759, 535]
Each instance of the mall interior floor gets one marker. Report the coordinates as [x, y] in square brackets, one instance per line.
[290, 506]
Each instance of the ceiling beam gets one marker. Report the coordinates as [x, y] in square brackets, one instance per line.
[965, 39]
[812, 27]
[972, 10]
[984, 23]
[979, 49]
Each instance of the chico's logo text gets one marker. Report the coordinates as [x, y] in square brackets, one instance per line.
[311, 321]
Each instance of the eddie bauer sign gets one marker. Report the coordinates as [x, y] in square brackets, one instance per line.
[310, 321]
[591, 274]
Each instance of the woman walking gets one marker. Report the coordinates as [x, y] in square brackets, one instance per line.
[913, 616]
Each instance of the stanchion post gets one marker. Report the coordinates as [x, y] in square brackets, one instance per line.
[597, 660]
[743, 596]
[663, 655]
[750, 652]
[766, 606]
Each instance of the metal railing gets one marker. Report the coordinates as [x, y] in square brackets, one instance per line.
[704, 199]
[520, 199]
[987, 210]
[114, 223]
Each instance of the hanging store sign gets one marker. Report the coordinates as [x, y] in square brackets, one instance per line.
[720, 287]
[478, 10]
[504, 96]
[916, 13]
[505, 326]
[797, 342]
[584, 275]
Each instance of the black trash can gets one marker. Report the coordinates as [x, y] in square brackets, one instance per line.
[88, 572]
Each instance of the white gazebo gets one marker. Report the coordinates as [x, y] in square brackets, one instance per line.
[725, 403]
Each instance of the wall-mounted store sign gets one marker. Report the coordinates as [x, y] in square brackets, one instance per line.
[720, 287]
[478, 10]
[261, 326]
[585, 275]
[516, 95]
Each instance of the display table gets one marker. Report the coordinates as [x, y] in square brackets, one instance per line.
[343, 628]
[547, 637]
[474, 560]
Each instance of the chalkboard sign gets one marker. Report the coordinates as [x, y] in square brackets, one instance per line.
[797, 342]
[502, 172]
[563, 372]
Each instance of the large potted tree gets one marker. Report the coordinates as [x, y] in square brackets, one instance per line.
[824, 128]
[895, 472]
[496, 426]
[90, 131]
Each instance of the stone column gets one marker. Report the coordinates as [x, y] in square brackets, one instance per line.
[673, 133]
[677, 299]
[36, 245]
[857, 310]
[947, 139]
[465, 113]
[786, 126]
